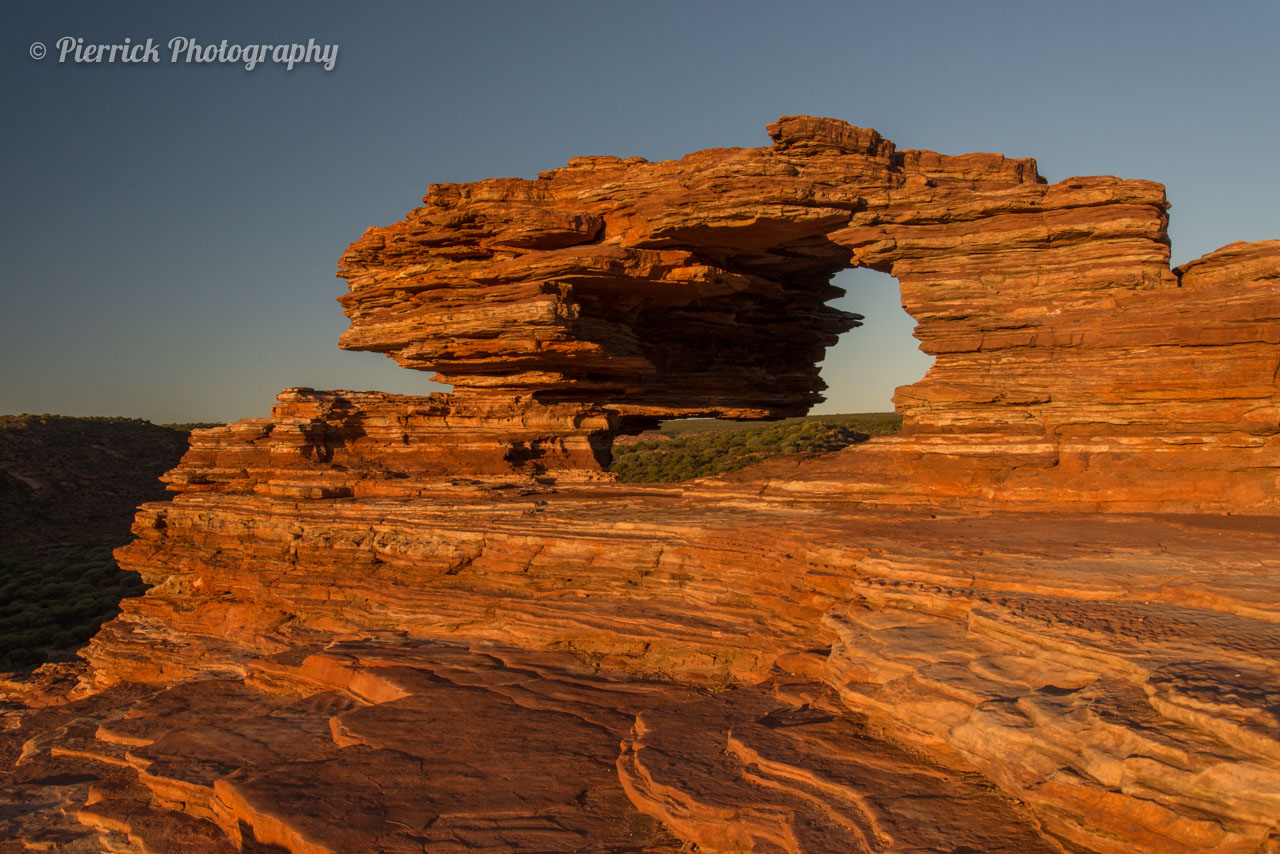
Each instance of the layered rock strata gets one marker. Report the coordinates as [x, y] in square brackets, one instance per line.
[339, 444]
[1007, 683]
[1071, 363]
[381, 623]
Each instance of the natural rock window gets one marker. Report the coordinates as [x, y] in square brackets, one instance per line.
[870, 362]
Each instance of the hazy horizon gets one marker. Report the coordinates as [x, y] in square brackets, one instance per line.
[174, 227]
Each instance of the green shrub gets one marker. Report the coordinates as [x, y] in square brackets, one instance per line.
[680, 453]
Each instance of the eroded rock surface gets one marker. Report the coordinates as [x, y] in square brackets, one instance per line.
[1072, 364]
[381, 623]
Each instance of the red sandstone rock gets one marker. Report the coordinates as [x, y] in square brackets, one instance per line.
[1072, 365]
[381, 623]
[1073, 368]
[1067, 658]
[336, 444]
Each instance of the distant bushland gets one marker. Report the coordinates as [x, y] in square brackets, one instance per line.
[684, 450]
[55, 600]
[65, 478]
[68, 491]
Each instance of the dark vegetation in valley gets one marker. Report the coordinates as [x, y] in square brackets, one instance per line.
[68, 491]
[684, 450]
[54, 601]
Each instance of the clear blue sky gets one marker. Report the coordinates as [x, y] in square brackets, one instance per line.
[171, 231]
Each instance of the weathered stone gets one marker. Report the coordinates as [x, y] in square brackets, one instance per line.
[1072, 365]
[381, 623]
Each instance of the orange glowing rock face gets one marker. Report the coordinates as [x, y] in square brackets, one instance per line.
[1072, 365]
[388, 623]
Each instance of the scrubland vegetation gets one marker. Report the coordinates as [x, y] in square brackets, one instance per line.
[68, 491]
[684, 450]
[55, 601]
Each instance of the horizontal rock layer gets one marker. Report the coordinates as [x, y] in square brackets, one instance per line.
[330, 444]
[1113, 673]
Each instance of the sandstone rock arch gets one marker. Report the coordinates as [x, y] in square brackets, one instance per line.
[635, 290]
